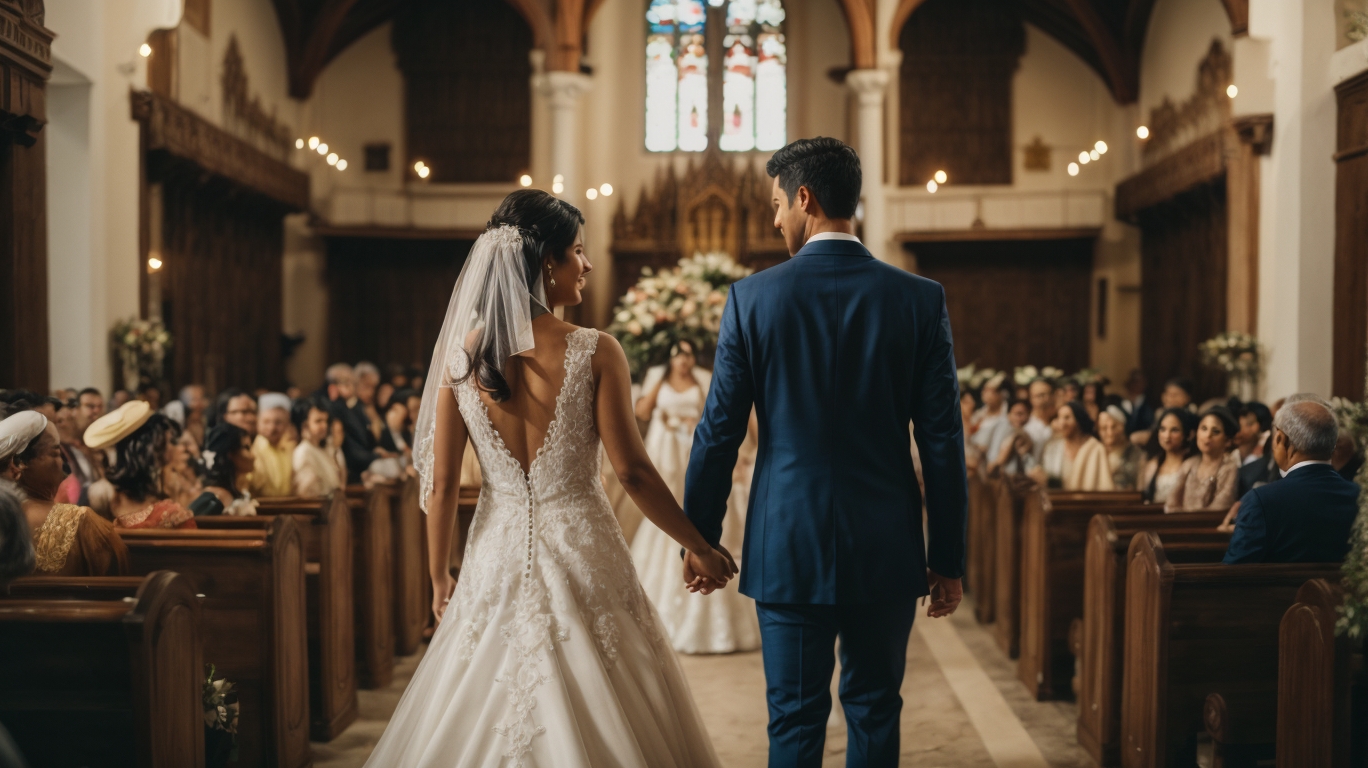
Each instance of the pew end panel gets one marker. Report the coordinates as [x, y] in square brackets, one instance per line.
[1191, 629]
[372, 585]
[981, 536]
[105, 677]
[411, 603]
[1317, 716]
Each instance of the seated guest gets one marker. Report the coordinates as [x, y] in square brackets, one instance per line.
[1093, 394]
[78, 477]
[1306, 517]
[195, 404]
[16, 543]
[1016, 456]
[1177, 393]
[1255, 422]
[360, 445]
[1348, 457]
[993, 428]
[236, 407]
[145, 447]
[367, 378]
[1139, 414]
[273, 448]
[68, 540]
[1207, 481]
[1043, 411]
[1123, 456]
[1074, 459]
[1169, 447]
[119, 399]
[151, 395]
[383, 394]
[228, 464]
[24, 400]
[396, 438]
[316, 468]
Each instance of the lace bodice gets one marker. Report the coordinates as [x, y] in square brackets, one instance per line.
[540, 535]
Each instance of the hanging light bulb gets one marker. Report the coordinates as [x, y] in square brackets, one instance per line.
[1142, 132]
[154, 263]
[932, 186]
[1084, 158]
[558, 179]
[144, 50]
[1094, 155]
[557, 188]
[313, 142]
[525, 180]
[341, 165]
[423, 172]
[1073, 169]
[941, 178]
[591, 193]
[332, 158]
[1232, 91]
[1101, 147]
[299, 143]
[606, 190]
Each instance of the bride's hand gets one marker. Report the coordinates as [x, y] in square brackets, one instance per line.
[709, 570]
[443, 587]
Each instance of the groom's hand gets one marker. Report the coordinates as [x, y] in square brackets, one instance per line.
[946, 594]
[709, 571]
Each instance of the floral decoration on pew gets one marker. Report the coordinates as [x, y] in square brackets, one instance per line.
[220, 700]
[1088, 376]
[1023, 375]
[972, 377]
[141, 346]
[1239, 355]
[1353, 620]
[681, 303]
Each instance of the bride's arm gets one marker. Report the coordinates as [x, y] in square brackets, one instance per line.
[448, 450]
[622, 442]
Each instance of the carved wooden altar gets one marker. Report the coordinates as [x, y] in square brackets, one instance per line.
[715, 206]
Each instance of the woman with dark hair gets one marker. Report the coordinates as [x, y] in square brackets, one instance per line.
[1207, 480]
[548, 601]
[16, 543]
[1074, 459]
[67, 540]
[228, 463]
[237, 407]
[145, 447]
[319, 468]
[1170, 445]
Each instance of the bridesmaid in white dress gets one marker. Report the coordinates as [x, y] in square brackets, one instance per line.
[724, 622]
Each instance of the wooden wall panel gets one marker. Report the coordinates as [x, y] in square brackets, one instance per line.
[468, 106]
[222, 283]
[387, 298]
[23, 265]
[956, 91]
[1015, 302]
[1184, 244]
[1351, 240]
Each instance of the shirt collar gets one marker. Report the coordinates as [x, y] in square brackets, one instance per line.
[1299, 465]
[820, 236]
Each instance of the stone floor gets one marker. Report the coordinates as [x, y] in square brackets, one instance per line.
[963, 707]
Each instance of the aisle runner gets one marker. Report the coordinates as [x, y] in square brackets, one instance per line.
[998, 727]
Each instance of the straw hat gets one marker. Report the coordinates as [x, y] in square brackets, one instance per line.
[109, 429]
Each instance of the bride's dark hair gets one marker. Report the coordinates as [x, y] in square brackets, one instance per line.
[548, 226]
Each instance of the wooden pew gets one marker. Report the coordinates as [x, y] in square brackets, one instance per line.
[103, 671]
[411, 583]
[1008, 506]
[253, 624]
[979, 555]
[1191, 629]
[1188, 537]
[1322, 693]
[326, 525]
[372, 584]
[1054, 532]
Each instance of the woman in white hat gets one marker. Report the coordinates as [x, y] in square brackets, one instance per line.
[141, 446]
[68, 540]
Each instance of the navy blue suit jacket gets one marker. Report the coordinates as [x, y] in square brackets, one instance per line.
[1303, 518]
[838, 352]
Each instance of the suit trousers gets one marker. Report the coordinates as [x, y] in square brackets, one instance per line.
[798, 644]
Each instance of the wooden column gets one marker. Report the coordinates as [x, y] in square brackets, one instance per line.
[1255, 134]
[1351, 239]
[25, 65]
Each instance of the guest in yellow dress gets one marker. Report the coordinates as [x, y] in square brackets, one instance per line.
[273, 450]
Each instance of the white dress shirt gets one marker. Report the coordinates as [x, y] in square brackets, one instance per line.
[1299, 465]
[832, 236]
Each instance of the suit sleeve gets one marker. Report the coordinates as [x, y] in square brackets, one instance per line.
[726, 416]
[939, 432]
[1251, 533]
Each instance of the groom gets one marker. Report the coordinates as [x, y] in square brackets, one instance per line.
[838, 352]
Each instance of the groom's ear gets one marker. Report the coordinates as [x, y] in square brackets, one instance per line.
[804, 199]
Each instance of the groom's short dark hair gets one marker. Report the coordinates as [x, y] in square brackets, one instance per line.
[827, 167]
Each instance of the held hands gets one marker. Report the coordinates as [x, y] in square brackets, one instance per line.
[710, 570]
[443, 587]
[946, 594]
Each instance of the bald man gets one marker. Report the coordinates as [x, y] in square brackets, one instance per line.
[1305, 517]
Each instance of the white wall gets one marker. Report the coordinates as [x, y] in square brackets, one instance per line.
[1179, 34]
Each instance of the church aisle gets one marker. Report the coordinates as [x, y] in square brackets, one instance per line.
[953, 697]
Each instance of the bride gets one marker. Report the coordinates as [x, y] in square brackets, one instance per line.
[547, 651]
[724, 622]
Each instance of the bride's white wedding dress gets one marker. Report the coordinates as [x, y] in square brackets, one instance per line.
[549, 653]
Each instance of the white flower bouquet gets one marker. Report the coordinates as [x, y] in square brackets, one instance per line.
[1023, 375]
[1238, 354]
[142, 346]
[1353, 619]
[220, 701]
[682, 303]
[972, 377]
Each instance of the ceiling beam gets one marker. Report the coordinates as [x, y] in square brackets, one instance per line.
[1119, 67]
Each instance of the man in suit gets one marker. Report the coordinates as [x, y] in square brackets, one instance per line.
[837, 352]
[358, 444]
[1306, 516]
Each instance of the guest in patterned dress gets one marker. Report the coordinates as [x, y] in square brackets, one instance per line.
[144, 446]
[68, 540]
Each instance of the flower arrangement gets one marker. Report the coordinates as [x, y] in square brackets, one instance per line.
[972, 377]
[1238, 354]
[141, 346]
[1353, 619]
[681, 303]
[1090, 376]
[220, 701]
[1023, 375]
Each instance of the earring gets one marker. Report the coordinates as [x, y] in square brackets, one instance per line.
[552, 280]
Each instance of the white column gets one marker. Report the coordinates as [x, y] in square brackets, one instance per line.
[870, 85]
[564, 90]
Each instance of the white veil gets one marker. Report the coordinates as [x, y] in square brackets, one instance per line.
[490, 306]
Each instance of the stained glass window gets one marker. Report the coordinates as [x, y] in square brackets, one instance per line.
[753, 76]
